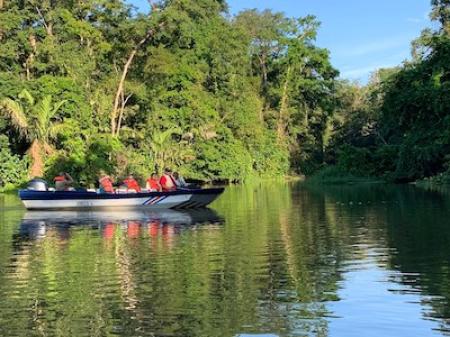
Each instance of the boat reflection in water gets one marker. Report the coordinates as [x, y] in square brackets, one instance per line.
[37, 225]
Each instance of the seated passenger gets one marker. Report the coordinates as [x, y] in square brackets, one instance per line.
[179, 180]
[153, 184]
[167, 181]
[132, 184]
[106, 183]
[63, 182]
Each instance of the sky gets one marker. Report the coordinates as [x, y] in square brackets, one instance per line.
[362, 35]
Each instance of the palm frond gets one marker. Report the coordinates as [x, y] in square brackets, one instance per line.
[161, 138]
[57, 106]
[14, 111]
[56, 129]
[25, 94]
[43, 114]
[130, 133]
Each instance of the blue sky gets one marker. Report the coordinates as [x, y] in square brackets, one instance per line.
[362, 35]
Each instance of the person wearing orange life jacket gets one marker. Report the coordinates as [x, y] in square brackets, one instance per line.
[153, 184]
[106, 183]
[131, 184]
[167, 181]
[63, 181]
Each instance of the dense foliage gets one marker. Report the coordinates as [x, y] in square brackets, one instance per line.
[92, 85]
[398, 125]
[13, 169]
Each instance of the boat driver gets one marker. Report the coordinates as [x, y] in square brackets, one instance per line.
[63, 182]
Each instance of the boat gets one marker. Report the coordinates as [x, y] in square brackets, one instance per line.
[38, 197]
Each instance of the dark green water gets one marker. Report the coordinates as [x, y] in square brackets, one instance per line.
[272, 260]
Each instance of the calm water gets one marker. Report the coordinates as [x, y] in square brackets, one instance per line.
[271, 260]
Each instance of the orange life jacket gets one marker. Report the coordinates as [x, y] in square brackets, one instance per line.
[106, 184]
[132, 184]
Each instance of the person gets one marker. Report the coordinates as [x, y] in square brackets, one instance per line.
[179, 180]
[153, 184]
[63, 181]
[106, 183]
[131, 184]
[167, 181]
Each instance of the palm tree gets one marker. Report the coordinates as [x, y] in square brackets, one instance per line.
[35, 122]
[161, 145]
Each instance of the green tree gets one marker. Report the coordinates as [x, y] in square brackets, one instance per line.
[12, 168]
[35, 121]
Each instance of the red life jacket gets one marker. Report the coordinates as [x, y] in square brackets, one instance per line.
[132, 184]
[154, 184]
[59, 178]
[168, 183]
[106, 184]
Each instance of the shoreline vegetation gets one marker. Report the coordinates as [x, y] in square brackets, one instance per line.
[333, 175]
[91, 86]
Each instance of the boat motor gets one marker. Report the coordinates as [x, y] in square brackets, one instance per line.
[37, 185]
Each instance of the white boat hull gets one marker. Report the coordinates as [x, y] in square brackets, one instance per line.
[169, 202]
[37, 200]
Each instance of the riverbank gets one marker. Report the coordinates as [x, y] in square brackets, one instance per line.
[330, 175]
[333, 175]
[442, 179]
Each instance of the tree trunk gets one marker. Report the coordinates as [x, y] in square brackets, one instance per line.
[27, 69]
[262, 62]
[2, 4]
[261, 114]
[30, 59]
[122, 111]
[120, 87]
[306, 118]
[283, 116]
[49, 28]
[37, 162]
[119, 91]
[47, 25]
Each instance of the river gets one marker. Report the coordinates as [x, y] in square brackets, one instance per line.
[272, 259]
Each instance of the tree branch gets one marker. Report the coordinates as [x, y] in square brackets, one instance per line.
[122, 111]
[48, 26]
[125, 70]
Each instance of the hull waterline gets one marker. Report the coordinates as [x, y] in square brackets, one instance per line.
[184, 199]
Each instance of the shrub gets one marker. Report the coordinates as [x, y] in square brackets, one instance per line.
[13, 169]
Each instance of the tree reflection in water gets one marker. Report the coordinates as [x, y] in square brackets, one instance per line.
[276, 261]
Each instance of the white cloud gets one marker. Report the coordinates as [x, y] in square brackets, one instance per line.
[374, 46]
[415, 20]
[364, 72]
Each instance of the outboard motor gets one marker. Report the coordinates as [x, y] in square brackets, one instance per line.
[37, 185]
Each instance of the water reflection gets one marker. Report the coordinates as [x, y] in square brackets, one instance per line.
[36, 225]
[400, 235]
[279, 260]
